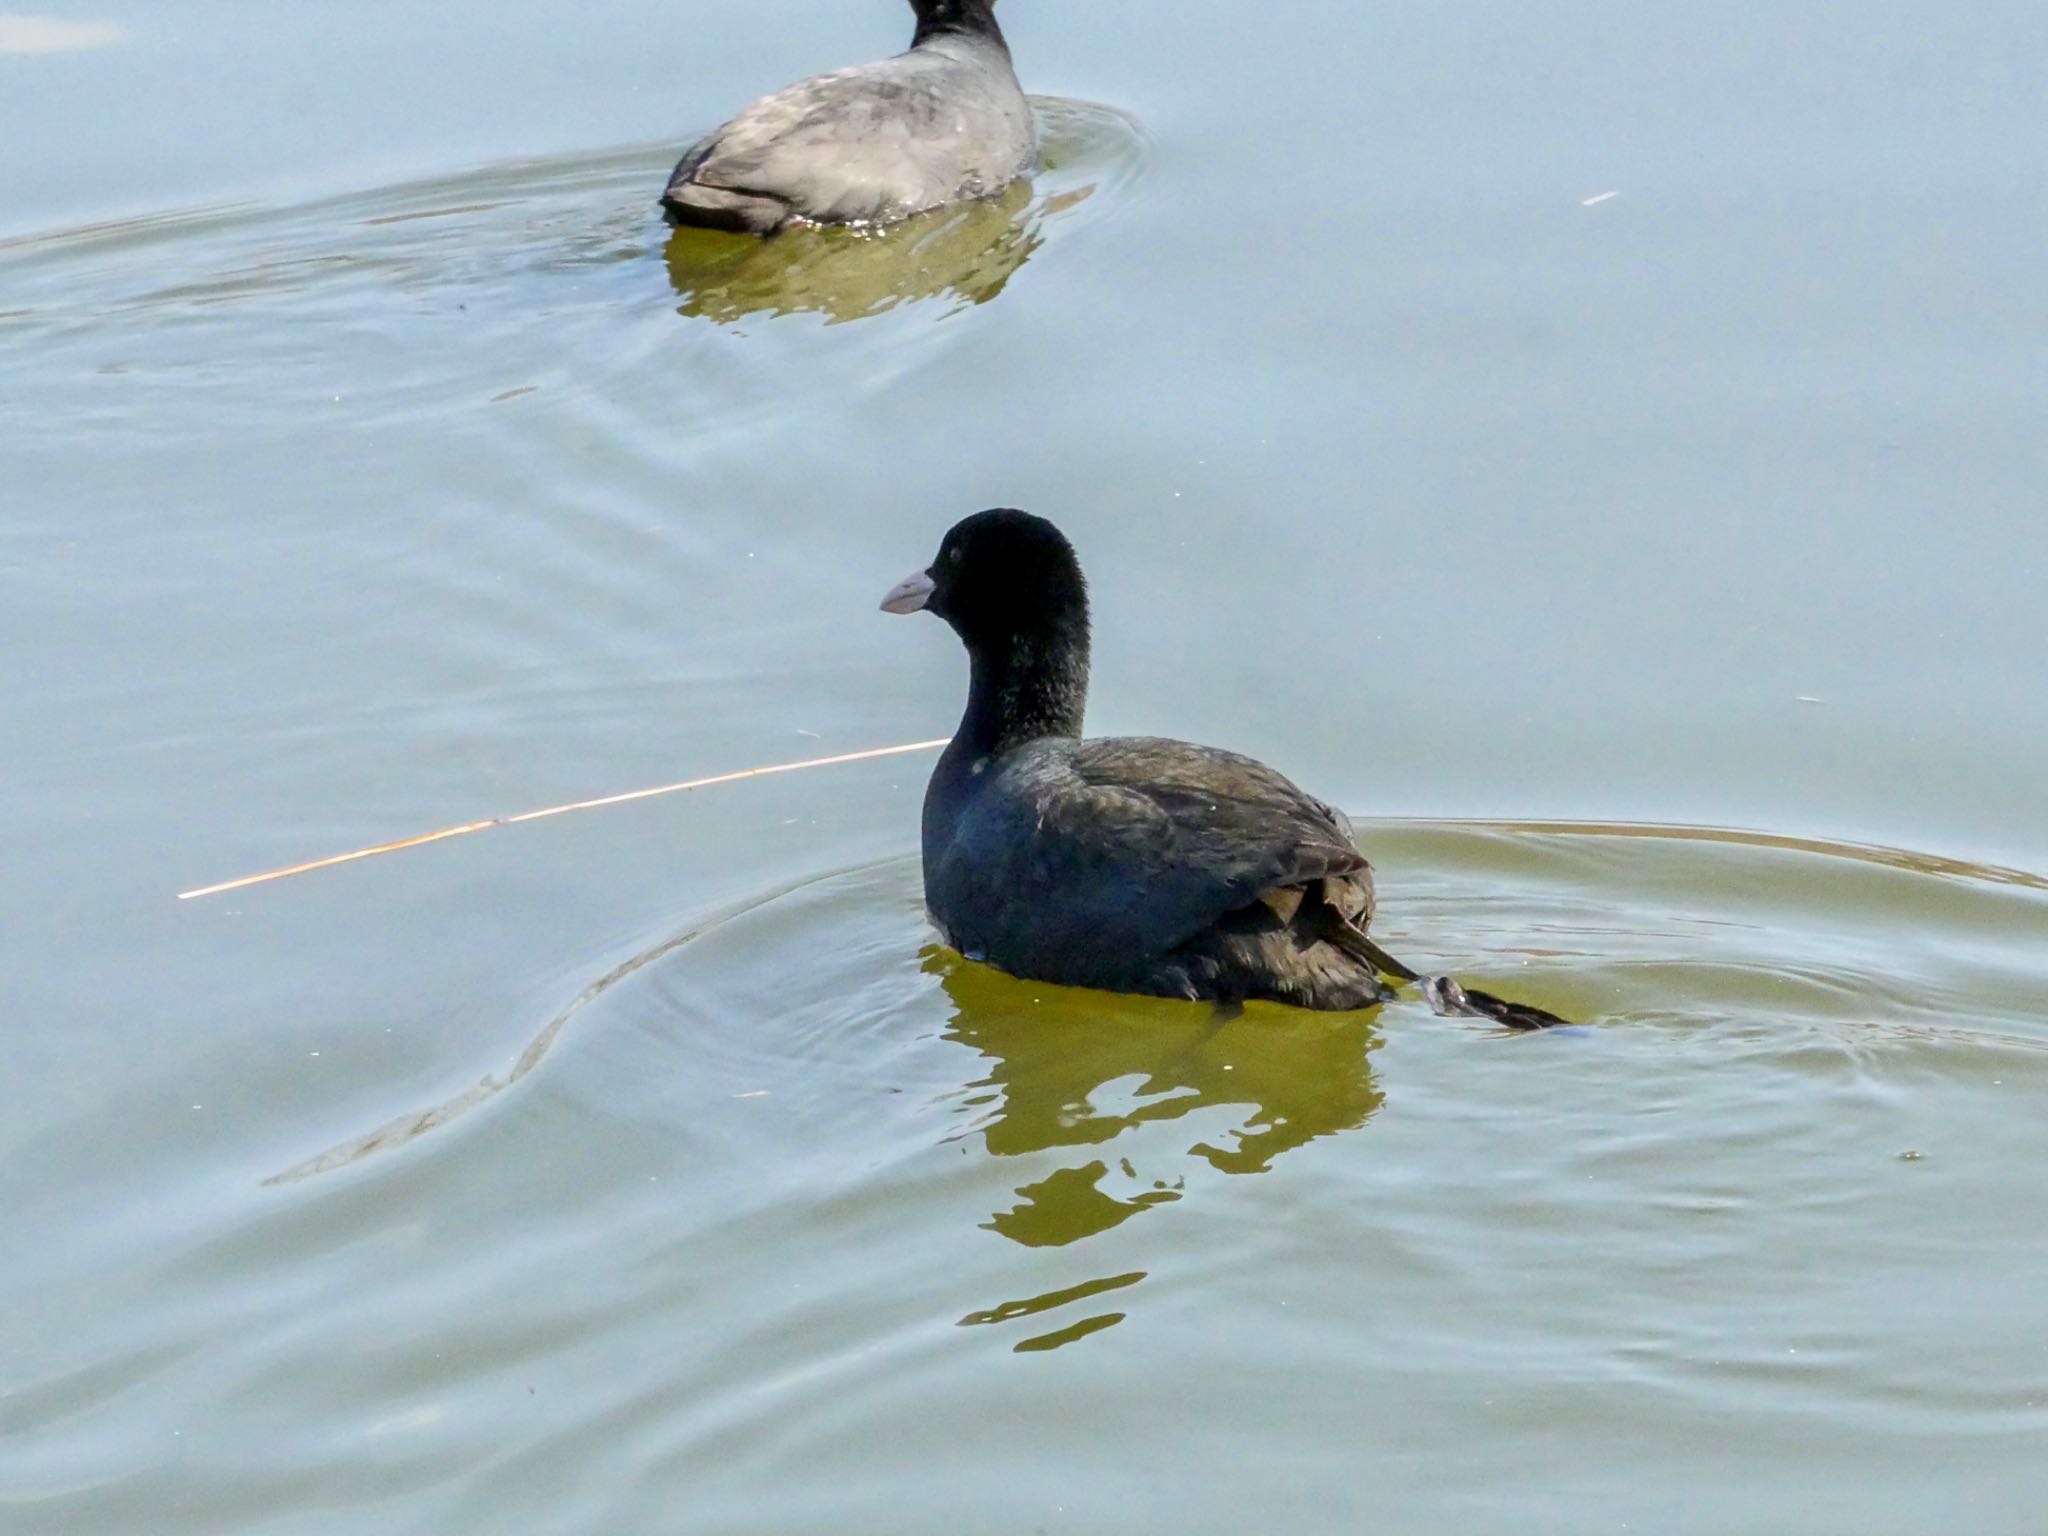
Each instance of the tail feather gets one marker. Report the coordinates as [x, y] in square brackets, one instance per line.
[744, 213]
[1349, 935]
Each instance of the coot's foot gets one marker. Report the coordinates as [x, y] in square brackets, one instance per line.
[1452, 1001]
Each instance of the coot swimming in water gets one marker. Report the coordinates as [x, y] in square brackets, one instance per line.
[878, 142]
[1133, 864]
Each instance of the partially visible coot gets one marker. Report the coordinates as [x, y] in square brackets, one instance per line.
[1132, 864]
[875, 143]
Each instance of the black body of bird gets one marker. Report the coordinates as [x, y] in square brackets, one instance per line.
[941, 122]
[1132, 864]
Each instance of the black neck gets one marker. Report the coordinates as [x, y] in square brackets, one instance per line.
[1033, 685]
[957, 18]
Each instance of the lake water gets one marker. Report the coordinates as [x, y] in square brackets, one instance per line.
[1600, 445]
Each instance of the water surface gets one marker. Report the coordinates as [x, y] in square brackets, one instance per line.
[1653, 573]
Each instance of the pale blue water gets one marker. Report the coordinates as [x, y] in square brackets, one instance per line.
[372, 463]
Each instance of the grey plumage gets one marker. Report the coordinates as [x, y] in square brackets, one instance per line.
[871, 144]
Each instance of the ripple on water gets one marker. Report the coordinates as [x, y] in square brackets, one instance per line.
[548, 282]
[1802, 959]
[479, 397]
[782, 1181]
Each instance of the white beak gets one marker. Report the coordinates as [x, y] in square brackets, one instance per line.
[909, 594]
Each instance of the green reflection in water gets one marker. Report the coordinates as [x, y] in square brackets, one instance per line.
[1057, 1053]
[1032, 1306]
[969, 252]
[1069, 1069]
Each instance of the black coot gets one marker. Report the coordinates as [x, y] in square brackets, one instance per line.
[942, 122]
[1133, 864]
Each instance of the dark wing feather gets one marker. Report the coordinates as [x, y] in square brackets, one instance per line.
[1100, 857]
[1243, 826]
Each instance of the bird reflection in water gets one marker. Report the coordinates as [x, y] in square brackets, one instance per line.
[968, 251]
[1147, 1099]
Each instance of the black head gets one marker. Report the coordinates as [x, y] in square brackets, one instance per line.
[1011, 588]
[997, 574]
[936, 17]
